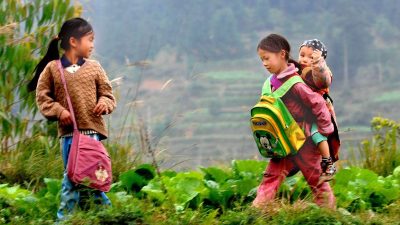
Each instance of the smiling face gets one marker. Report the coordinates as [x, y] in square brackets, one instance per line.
[83, 46]
[305, 56]
[273, 62]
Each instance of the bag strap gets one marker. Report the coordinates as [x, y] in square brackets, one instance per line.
[283, 89]
[328, 97]
[266, 90]
[71, 109]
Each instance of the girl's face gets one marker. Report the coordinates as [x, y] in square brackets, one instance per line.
[84, 46]
[273, 62]
[305, 56]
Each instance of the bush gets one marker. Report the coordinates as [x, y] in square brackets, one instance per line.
[381, 153]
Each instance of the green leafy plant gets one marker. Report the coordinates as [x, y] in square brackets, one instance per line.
[211, 196]
[381, 152]
[360, 189]
[134, 180]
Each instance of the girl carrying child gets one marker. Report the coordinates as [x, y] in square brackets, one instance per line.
[307, 107]
[91, 96]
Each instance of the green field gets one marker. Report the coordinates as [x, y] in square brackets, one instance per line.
[213, 195]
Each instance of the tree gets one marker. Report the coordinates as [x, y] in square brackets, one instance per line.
[26, 28]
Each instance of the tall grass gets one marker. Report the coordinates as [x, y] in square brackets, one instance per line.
[39, 156]
[381, 152]
[33, 158]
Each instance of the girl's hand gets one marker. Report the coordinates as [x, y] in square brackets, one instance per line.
[65, 118]
[316, 55]
[100, 109]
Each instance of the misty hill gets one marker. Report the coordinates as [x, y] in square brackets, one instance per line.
[193, 66]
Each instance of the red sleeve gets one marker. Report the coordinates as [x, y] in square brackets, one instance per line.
[317, 105]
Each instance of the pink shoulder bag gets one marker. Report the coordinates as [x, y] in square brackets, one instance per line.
[88, 162]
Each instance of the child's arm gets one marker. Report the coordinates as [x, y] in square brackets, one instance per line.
[321, 74]
[106, 101]
[49, 108]
[318, 107]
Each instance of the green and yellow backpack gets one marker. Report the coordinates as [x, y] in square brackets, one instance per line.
[275, 131]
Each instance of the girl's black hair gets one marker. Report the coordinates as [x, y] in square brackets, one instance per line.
[276, 43]
[76, 28]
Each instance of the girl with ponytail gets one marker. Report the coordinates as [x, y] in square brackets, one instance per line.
[74, 28]
[307, 108]
[91, 96]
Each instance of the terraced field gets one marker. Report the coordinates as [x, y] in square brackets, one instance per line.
[210, 114]
[217, 129]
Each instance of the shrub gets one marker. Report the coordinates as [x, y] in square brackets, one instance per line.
[381, 153]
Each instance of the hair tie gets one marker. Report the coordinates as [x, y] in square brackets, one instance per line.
[57, 38]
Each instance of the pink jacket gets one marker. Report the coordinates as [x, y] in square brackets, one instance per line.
[305, 105]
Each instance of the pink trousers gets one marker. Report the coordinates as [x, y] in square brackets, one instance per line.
[308, 161]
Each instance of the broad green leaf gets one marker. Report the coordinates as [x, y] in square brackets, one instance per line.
[53, 185]
[153, 190]
[216, 174]
[248, 168]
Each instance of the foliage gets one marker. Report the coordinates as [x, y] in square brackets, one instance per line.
[25, 30]
[132, 181]
[359, 189]
[381, 153]
[37, 157]
[222, 77]
[17, 203]
[213, 195]
[123, 157]
[28, 147]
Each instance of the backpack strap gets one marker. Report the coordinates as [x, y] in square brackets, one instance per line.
[327, 97]
[282, 90]
[266, 90]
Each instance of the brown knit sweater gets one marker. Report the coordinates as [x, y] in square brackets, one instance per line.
[87, 86]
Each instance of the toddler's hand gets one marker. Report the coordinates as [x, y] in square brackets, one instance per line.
[65, 118]
[100, 109]
[316, 55]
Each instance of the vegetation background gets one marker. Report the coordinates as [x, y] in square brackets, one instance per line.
[186, 74]
[196, 66]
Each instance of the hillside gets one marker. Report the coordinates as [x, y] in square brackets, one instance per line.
[205, 56]
[206, 114]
